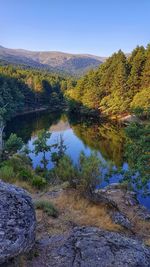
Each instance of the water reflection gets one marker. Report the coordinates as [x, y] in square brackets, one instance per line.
[106, 139]
[28, 126]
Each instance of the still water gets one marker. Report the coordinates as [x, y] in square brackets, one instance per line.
[106, 139]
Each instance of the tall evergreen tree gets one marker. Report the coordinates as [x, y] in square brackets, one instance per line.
[145, 83]
[137, 62]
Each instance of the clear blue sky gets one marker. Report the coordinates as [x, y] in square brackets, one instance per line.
[78, 26]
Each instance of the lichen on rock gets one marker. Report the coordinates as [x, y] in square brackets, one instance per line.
[17, 222]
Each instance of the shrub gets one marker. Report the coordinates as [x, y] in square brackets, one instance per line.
[19, 167]
[6, 173]
[47, 207]
[85, 175]
[39, 170]
[13, 144]
[25, 175]
[19, 162]
[65, 170]
[38, 181]
[89, 171]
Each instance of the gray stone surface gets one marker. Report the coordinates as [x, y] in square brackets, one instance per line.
[93, 247]
[121, 219]
[123, 204]
[17, 222]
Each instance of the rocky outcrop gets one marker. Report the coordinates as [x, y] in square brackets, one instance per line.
[93, 247]
[125, 209]
[114, 196]
[17, 222]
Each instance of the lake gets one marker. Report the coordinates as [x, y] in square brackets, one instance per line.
[106, 139]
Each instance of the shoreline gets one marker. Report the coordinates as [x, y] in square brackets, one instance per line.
[31, 111]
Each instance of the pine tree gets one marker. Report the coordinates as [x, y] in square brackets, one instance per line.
[145, 83]
[137, 62]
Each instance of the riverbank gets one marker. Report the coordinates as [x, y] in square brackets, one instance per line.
[30, 111]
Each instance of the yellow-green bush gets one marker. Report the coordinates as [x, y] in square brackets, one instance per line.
[7, 173]
[47, 207]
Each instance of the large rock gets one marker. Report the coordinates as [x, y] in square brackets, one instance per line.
[17, 222]
[93, 247]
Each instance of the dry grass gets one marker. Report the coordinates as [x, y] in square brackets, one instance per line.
[73, 210]
[25, 186]
[85, 212]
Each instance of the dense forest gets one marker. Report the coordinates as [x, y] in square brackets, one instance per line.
[25, 90]
[33, 88]
[119, 86]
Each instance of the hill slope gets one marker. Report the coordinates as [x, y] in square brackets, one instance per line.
[70, 63]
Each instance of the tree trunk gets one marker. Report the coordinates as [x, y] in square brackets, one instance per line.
[44, 161]
[1, 137]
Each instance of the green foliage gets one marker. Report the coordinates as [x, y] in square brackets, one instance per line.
[13, 144]
[38, 181]
[7, 173]
[137, 62]
[89, 171]
[65, 170]
[19, 168]
[118, 85]
[11, 97]
[85, 175]
[138, 111]
[142, 101]
[61, 149]
[47, 207]
[28, 89]
[138, 151]
[41, 146]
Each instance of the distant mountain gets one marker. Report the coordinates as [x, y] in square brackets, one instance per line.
[74, 64]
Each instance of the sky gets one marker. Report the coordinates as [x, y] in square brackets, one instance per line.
[98, 27]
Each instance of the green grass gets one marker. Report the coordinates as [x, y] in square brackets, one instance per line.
[7, 173]
[47, 207]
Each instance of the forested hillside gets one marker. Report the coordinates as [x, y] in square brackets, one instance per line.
[120, 85]
[23, 90]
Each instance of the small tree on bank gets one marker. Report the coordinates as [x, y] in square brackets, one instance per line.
[41, 146]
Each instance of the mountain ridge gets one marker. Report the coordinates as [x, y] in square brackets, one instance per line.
[75, 64]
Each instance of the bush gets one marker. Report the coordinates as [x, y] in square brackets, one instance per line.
[86, 175]
[13, 144]
[38, 181]
[25, 175]
[19, 162]
[20, 168]
[6, 173]
[47, 207]
[89, 171]
[65, 170]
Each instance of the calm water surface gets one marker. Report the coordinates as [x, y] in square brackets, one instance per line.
[106, 140]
